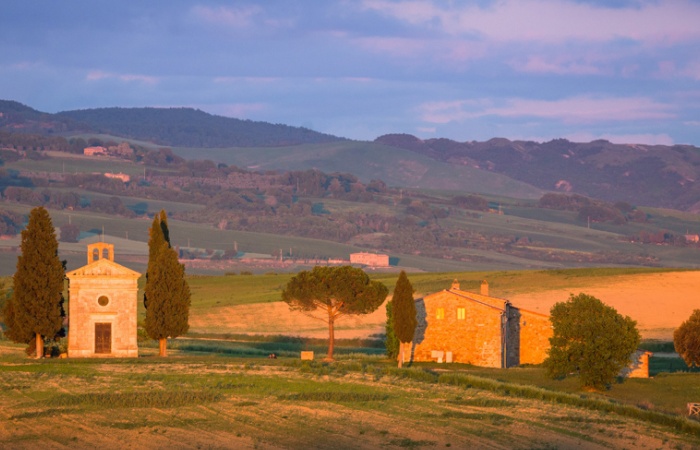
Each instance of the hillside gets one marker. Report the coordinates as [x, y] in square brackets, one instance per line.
[643, 175]
[662, 176]
[369, 161]
[162, 126]
[196, 400]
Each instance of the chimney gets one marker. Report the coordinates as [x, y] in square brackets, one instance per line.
[484, 288]
[455, 284]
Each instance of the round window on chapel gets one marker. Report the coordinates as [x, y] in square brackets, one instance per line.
[103, 300]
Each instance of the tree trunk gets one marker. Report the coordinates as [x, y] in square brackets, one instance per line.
[331, 339]
[163, 347]
[400, 354]
[39, 346]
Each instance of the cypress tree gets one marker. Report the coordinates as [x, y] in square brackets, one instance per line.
[391, 343]
[167, 291]
[157, 234]
[35, 309]
[404, 313]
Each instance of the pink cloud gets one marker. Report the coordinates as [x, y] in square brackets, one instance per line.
[96, 75]
[655, 22]
[392, 45]
[580, 109]
[447, 51]
[556, 65]
[231, 17]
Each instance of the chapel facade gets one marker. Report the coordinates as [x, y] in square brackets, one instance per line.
[466, 327]
[102, 310]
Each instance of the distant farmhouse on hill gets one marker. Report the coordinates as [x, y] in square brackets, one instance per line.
[370, 259]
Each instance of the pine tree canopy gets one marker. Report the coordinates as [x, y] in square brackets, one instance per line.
[336, 292]
[35, 307]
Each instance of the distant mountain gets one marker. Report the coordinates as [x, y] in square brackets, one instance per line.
[180, 127]
[18, 118]
[652, 175]
[187, 127]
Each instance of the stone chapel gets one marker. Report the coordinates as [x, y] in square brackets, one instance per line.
[102, 306]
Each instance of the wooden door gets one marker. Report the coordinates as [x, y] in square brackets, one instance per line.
[103, 338]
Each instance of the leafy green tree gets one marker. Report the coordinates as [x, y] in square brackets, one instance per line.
[335, 292]
[686, 340]
[166, 294]
[35, 309]
[391, 342]
[590, 339]
[404, 313]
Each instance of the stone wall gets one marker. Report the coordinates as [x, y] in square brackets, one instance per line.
[85, 311]
[535, 331]
[479, 335]
[475, 339]
[102, 292]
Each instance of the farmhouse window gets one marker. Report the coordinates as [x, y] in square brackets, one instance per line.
[461, 313]
[440, 313]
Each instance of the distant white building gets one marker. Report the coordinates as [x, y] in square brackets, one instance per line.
[370, 259]
[92, 151]
[119, 176]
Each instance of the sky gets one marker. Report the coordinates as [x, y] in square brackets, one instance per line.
[623, 70]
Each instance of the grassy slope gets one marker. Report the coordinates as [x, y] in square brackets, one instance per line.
[215, 401]
[369, 161]
[554, 233]
[223, 291]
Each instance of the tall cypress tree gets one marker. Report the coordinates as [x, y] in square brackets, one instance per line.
[166, 291]
[391, 343]
[156, 237]
[35, 309]
[404, 313]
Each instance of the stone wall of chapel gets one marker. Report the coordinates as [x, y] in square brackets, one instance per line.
[85, 312]
[476, 339]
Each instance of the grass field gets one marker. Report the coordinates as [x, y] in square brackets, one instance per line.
[198, 400]
[556, 239]
[368, 161]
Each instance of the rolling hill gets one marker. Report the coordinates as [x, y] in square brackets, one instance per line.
[659, 176]
[662, 176]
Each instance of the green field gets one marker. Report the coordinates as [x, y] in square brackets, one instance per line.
[368, 161]
[220, 291]
[203, 400]
[552, 239]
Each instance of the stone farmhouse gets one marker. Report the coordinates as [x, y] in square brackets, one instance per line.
[102, 306]
[465, 327]
[370, 259]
